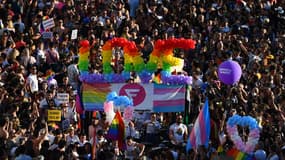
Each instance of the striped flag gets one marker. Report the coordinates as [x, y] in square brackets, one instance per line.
[168, 98]
[117, 130]
[153, 97]
[48, 23]
[200, 133]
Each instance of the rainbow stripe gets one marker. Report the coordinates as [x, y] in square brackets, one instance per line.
[238, 155]
[157, 79]
[83, 58]
[94, 95]
[117, 130]
[49, 75]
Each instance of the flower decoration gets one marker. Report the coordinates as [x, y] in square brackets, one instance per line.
[253, 137]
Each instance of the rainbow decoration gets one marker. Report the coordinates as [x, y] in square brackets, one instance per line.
[253, 137]
[41, 26]
[83, 56]
[119, 101]
[238, 155]
[161, 57]
[49, 75]
[132, 59]
[157, 79]
[117, 130]
[92, 102]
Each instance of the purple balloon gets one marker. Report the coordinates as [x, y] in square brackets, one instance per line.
[229, 72]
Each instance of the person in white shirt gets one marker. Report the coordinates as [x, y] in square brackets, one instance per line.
[32, 80]
[27, 59]
[178, 132]
[82, 140]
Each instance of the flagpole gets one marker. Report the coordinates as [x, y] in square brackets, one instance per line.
[187, 105]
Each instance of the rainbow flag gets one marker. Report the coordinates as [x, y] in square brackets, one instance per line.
[238, 155]
[200, 133]
[117, 130]
[157, 78]
[154, 97]
[49, 75]
[94, 96]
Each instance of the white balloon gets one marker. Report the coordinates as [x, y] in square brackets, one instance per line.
[109, 117]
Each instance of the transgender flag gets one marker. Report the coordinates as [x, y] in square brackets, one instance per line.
[168, 98]
[200, 133]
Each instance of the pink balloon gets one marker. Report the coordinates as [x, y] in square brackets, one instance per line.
[128, 113]
[59, 5]
[108, 107]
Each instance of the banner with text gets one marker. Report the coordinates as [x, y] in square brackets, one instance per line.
[153, 97]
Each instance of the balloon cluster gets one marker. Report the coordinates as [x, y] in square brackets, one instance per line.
[113, 100]
[132, 59]
[83, 57]
[162, 54]
[119, 101]
[253, 137]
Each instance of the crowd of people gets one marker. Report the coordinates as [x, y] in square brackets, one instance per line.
[35, 67]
